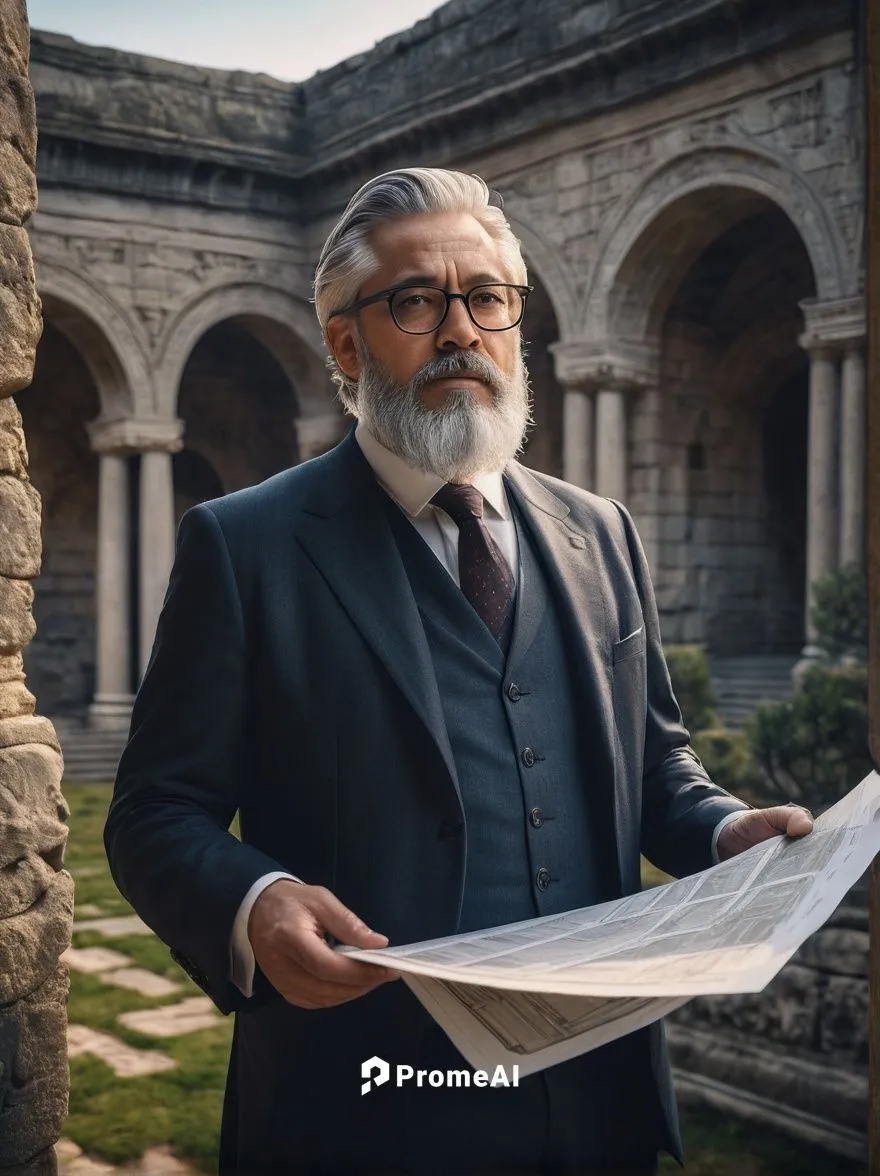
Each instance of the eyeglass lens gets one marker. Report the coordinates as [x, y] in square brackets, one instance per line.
[420, 309]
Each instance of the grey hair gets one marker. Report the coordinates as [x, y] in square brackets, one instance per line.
[347, 260]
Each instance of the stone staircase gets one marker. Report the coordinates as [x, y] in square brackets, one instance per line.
[89, 755]
[740, 683]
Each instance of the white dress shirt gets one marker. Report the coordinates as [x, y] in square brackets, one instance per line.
[412, 490]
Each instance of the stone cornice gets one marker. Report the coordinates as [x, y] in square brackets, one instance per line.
[124, 436]
[833, 326]
[324, 136]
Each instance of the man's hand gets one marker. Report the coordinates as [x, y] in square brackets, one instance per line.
[287, 927]
[756, 825]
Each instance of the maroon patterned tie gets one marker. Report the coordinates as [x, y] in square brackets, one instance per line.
[484, 574]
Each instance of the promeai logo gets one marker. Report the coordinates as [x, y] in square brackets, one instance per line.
[376, 1071]
[374, 1066]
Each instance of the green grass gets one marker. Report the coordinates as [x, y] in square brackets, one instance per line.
[118, 1119]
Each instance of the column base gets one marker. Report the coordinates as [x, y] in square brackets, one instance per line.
[110, 712]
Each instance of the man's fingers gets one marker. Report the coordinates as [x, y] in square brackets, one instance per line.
[789, 819]
[315, 957]
[343, 924]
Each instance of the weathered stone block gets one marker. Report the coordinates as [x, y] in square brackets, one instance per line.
[20, 320]
[33, 1055]
[18, 126]
[13, 450]
[31, 943]
[22, 883]
[842, 950]
[20, 544]
[28, 729]
[15, 700]
[17, 625]
[32, 807]
[843, 1019]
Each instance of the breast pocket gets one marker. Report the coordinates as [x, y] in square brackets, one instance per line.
[631, 646]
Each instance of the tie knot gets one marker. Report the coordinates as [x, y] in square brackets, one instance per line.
[460, 502]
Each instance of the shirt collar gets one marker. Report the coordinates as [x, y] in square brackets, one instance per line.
[413, 488]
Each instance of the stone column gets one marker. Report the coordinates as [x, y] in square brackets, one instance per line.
[156, 529]
[577, 436]
[853, 429]
[612, 452]
[833, 336]
[36, 906]
[111, 706]
[822, 472]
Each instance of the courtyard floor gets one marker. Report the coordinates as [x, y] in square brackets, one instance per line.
[148, 1050]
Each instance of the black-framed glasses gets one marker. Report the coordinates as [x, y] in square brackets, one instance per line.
[419, 310]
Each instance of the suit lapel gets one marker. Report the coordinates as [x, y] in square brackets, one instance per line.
[345, 531]
[574, 562]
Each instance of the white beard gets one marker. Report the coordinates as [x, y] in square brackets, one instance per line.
[463, 438]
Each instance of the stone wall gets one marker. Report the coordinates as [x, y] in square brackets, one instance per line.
[36, 895]
[796, 1052]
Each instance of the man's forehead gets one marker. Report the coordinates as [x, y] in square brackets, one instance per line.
[428, 240]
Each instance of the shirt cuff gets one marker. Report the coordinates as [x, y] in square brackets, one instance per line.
[241, 955]
[724, 821]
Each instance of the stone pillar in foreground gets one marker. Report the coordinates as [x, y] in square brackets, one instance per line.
[158, 441]
[36, 894]
[111, 706]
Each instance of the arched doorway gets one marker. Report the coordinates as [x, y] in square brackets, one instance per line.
[711, 289]
[63, 396]
[239, 409]
[733, 383]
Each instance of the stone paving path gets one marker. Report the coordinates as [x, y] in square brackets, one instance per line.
[157, 1161]
[124, 1060]
[187, 1016]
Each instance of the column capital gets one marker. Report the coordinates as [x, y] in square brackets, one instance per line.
[583, 366]
[126, 435]
[834, 326]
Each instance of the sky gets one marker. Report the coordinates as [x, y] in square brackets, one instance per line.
[290, 39]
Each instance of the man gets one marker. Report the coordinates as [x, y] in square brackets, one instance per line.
[432, 684]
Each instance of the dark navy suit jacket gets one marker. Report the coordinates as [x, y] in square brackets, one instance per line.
[291, 680]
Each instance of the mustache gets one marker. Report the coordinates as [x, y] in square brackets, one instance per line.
[455, 363]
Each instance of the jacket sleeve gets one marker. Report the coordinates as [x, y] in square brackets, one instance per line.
[681, 806]
[179, 779]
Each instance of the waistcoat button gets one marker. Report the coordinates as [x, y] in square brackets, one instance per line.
[536, 818]
[528, 757]
[542, 878]
[513, 692]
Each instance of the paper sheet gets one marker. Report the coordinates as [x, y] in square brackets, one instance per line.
[543, 990]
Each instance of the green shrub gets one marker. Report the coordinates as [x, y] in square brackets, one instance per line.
[689, 671]
[814, 748]
[840, 612]
[727, 757]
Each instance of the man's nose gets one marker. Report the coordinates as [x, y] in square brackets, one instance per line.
[457, 330]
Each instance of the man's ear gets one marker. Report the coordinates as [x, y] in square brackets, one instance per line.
[341, 340]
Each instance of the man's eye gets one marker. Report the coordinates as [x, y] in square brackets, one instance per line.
[487, 298]
[413, 300]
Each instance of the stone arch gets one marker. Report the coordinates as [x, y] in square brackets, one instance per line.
[743, 179]
[285, 325]
[112, 345]
[554, 276]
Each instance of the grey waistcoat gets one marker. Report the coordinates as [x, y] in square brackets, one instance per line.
[536, 840]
